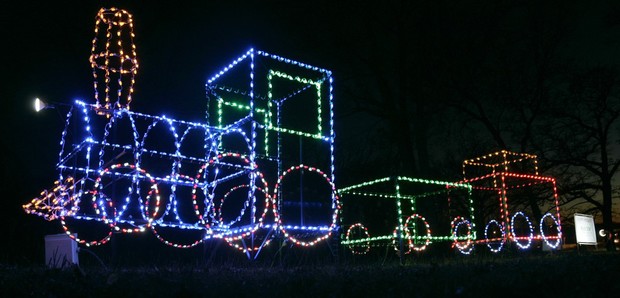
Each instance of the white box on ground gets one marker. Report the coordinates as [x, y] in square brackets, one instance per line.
[60, 251]
[585, 231]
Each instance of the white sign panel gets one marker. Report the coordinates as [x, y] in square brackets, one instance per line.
[584, 229]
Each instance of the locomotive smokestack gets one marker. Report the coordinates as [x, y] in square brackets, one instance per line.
[113, 59]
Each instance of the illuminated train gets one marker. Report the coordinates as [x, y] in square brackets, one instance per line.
[456, 209]
[228, 178]
[261, 166]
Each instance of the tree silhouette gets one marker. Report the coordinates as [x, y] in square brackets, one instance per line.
[584, 140]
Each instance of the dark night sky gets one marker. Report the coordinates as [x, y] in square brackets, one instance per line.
[46, 45]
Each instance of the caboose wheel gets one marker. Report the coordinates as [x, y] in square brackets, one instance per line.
[548, 236]
[494, 236]
[467, 246]
[412, 235]
[358, 239]
[523, 242]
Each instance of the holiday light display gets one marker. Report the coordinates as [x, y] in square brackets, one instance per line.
[507, 174]
[251, 172]
[51, 204]
[494, 243]
[113, 58]
[403, 200]
[358, 231]
[530, 231]
[189, 182]
[456, 225]
[558, 231]
[501, 174]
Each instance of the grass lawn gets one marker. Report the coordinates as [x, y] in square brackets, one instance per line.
[566, 274]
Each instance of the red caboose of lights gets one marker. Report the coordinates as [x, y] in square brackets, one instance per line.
[515, 204]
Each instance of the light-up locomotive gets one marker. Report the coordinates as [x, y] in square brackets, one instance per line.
[260, 167]
[263, 165]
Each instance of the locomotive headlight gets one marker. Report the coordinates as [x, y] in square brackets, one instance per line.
[39, 104]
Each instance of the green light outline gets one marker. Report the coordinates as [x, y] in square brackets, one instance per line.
[350, 190]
